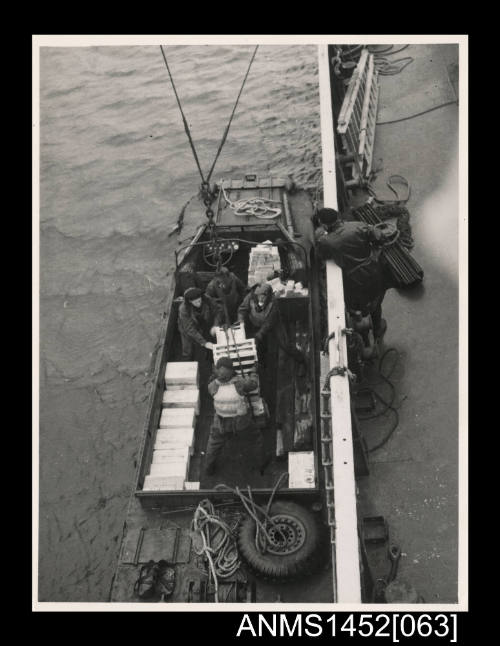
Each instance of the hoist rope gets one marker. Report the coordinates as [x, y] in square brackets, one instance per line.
[224, 136]
[186, 126]
[259, 207]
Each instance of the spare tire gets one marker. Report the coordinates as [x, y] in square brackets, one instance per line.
[295, 547]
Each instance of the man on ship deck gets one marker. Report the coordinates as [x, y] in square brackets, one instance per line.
[355, 247]
[233, 412]
[260, 313]
[199, 316]
[228, 290]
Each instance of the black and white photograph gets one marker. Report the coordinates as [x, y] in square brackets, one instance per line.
[250, 260]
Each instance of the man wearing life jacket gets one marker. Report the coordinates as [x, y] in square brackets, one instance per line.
[355, 247]
[228, 290]
[199, 315]
[232, 410]
[260, 313]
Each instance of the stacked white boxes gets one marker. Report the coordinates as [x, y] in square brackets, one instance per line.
[174, 442]
[264, 259]
[290, 288]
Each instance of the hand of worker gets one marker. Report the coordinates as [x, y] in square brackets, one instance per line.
[320, 231]
[213, 331]
[209, 345]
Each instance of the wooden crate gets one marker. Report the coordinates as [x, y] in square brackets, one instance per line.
[182, 398]
[301, 474]
[177, 418]
[235, 335]
[163, 483]
[244, 355]
[181, 373]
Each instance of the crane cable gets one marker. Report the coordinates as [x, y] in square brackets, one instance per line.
[186, 126]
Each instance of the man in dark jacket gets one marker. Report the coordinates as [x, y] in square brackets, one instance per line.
[355, 247]
[199, 315]
[228, 290]
[260, 313]
[232, 411]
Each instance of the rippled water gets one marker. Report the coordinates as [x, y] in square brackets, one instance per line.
[115, 171]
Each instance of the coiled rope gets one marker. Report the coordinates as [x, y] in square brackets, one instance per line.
[218, 543]
[259, 207]
[386, 405]
[254, 510]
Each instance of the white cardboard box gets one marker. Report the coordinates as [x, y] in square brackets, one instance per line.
[178, 454]
[181, 373]
[177, 417]
[301, 474]
[162, 483]
[182, 398]
[183, 435]
[169, 469]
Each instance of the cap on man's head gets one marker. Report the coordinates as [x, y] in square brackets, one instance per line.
[328, 216]
[224, 362]
[192, 293]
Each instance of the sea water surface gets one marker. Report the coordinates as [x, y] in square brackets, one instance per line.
[115, 171]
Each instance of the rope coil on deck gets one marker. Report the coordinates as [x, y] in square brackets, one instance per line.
[259, 207]
[218, 543]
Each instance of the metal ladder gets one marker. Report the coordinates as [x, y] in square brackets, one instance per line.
[356, 120]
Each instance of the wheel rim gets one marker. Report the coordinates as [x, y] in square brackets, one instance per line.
[287, 534]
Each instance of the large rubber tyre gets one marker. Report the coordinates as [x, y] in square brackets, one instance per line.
[299, 556]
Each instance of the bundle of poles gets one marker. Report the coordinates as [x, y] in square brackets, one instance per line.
[404, 268]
